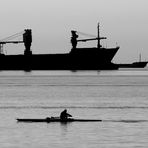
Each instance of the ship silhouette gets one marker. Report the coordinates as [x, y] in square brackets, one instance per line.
[94, 58]
[138, 64]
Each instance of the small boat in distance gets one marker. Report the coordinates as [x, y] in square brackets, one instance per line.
[140, 64]
[57, 119]
[134, 65]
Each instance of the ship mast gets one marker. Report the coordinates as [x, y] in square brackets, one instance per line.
[98, 27]
[99, 38]
[75, 36]
[140, 57]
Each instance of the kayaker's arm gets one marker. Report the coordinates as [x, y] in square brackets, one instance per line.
[69, 115]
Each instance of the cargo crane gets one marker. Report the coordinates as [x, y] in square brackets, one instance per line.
[74, 37]
[27, 40]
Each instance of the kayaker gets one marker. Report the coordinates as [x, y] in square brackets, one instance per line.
[64, 115]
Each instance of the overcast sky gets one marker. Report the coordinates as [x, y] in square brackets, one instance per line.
[123, 22]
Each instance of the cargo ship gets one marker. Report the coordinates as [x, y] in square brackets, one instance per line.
[134, 65]
[94, 58]
[139, 64]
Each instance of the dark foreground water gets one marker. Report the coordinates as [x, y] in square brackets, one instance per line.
[119, 98]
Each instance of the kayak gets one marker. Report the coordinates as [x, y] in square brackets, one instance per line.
[52, 119]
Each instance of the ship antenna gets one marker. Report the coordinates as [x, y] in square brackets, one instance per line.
[140, 57]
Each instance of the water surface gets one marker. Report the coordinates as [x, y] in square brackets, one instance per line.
[119, 98]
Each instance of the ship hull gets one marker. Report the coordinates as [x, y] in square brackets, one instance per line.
[77, 59]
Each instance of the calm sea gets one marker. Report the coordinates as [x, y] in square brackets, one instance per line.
[119, 98]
